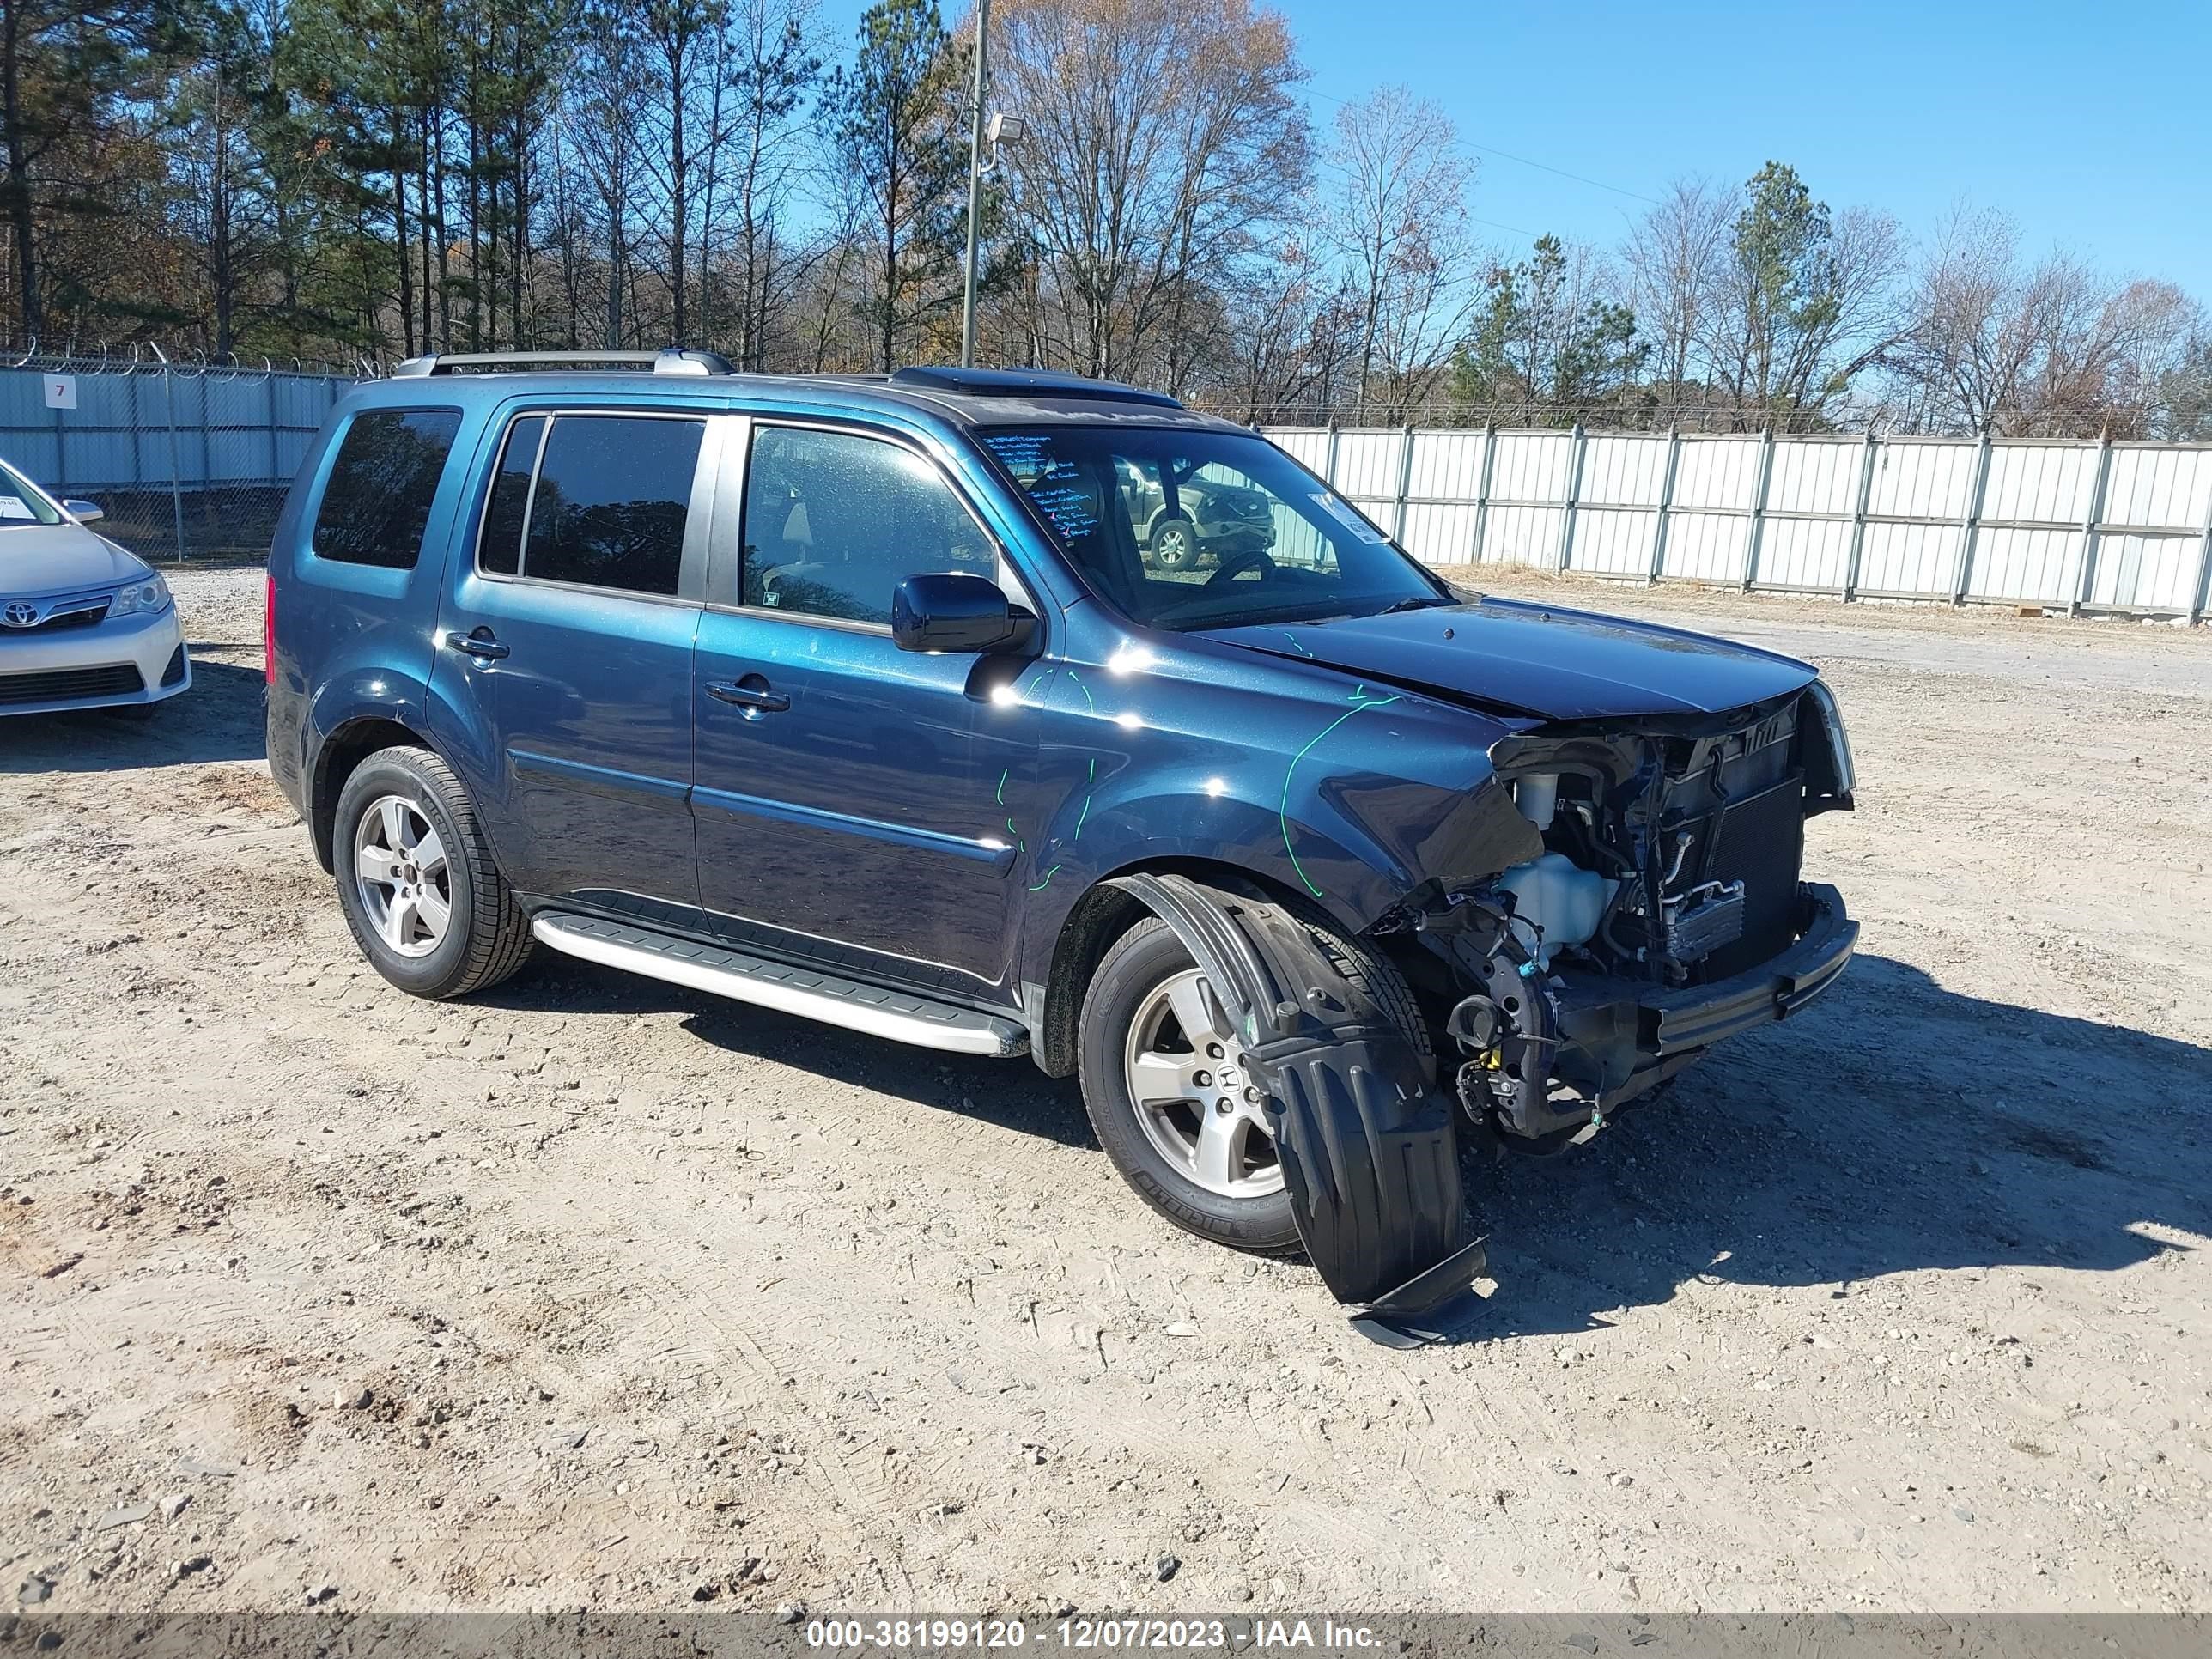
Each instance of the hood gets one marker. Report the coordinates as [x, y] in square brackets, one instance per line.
[59, 558]
[1554, 664]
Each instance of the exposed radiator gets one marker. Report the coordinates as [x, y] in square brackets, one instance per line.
[1760, 842]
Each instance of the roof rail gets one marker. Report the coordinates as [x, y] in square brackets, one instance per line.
[1026, 383]
[668, 361]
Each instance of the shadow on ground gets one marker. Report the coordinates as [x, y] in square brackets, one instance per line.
[1895, 1126]
[1008, 1094]
[218, 717]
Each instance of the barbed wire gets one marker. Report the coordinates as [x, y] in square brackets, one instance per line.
[2061, 422]
[75, 356]
[2085, 421]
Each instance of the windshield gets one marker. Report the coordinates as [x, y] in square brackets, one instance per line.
[20, 503]
[1195, 529]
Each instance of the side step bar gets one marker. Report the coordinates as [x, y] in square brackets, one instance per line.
[899, 1015]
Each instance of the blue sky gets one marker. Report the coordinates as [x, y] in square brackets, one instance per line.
[2090, 125]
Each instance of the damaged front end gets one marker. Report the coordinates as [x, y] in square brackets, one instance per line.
[1664, 913]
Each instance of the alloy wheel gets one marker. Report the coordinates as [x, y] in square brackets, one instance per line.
[1194, 1098]
[401, 876]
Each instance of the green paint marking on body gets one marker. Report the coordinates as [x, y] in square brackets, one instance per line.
[1359, 701]
[1002, 786]
[1293, 639]
[1039, 887]
[1079, 818]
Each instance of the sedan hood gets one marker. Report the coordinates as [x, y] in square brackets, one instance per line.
[1553, 663]
[59, 558]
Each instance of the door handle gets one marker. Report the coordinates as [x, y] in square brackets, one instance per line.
[758, 699]
[479, 645]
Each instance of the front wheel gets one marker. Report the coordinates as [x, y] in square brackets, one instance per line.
[416, 878]
[1163, 1081]
[1174, 543]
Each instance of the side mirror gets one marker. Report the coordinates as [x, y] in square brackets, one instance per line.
[83, 512]
[950, 612]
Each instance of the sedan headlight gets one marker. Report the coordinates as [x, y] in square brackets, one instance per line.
[142, 598]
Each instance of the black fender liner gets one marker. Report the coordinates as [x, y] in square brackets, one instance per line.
[1370, 1145]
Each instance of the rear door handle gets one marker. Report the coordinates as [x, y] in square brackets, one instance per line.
[479, 645]
[759, 698]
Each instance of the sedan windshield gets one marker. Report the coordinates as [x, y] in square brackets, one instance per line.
[1186, 529]
[20, 504]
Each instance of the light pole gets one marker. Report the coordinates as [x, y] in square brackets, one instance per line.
[975, 184]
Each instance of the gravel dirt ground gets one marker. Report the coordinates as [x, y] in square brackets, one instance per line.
[594, 1292]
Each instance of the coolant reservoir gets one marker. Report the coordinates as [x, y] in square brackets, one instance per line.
[1564, 903]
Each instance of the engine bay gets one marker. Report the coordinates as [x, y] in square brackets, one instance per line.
[1672, 854]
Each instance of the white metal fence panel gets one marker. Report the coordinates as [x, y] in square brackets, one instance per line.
[1310, 448]
[1623, 470]
[1810, 555]
[1367, 466]
[1717, 473]
[1440, 533]
[1614, 541]
[1522, 535]
[1707, 547]
[1447, 467]
[1532, 467]
[1816, 475]
[2123, 528]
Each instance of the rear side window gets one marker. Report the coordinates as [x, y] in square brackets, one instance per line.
[377, 503]
[612, 498]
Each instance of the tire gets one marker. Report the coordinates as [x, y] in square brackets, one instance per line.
[1144, 960]
[484, 936]
[1174, 543]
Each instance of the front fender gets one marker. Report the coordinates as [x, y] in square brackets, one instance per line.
[1351, 796]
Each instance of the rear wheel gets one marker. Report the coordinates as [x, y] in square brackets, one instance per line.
[416, 881]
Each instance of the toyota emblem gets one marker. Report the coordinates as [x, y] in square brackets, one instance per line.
[19, 615]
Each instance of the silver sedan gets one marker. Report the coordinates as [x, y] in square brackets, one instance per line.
[83, 623]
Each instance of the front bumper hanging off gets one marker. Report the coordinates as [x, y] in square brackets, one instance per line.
[1699, 1016]
[1662, 1025]
[1369, 1146]
[1369, 1143]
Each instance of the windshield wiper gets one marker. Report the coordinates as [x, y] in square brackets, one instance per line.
[1413, 602]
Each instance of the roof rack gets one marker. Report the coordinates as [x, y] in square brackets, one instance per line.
[668, 361]
[1027, 383]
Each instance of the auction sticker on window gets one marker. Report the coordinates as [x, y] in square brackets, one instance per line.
[1339, 510]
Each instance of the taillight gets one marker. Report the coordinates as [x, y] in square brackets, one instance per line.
[269, 635]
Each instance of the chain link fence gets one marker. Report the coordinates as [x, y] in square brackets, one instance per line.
[188, 460]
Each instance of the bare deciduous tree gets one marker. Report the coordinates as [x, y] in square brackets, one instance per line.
[1991, 344]
[1672, 263]
[1159, 140]
[1394, 203]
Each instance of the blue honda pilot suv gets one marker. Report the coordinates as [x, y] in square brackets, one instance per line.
[868, 698]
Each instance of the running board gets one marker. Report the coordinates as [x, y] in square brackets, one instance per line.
[899, 1015]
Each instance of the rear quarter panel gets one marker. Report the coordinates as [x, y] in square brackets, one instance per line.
[355, 642]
